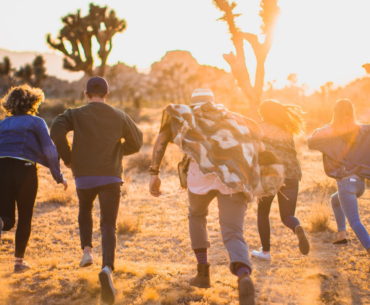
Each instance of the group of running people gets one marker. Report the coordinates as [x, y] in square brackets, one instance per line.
[216, 142]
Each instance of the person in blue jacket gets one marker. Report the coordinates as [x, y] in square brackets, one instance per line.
[24, 142]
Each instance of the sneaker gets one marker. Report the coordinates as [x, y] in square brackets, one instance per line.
[108, 294]
[246, 290]
[340, 243]
[304, 245]
[21, 268]
[261, 255]
[87, 260]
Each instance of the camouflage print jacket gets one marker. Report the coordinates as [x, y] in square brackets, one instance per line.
[281, 142]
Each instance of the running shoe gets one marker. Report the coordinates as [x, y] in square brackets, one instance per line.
[261, 255]
[108, 294]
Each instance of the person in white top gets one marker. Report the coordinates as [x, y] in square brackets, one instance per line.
[202, 189]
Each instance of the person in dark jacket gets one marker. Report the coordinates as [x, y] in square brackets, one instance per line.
[24, 142]
[280, 124]
[96, 162]
[345, 146]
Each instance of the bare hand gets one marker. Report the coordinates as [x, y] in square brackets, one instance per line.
[65, 183]
[155, 186]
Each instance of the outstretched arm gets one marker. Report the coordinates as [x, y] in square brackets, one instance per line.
[58, 133]
[159, 150]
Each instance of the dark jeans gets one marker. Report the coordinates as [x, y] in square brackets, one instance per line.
[18, 184]
[109, 198]
[287, 205]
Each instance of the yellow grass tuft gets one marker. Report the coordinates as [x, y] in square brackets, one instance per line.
[128, 224]
[59, 196]
[150, 270]
[320, 218]
[150, 294]
[324, 187]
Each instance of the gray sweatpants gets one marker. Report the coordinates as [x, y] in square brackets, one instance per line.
[232, 210]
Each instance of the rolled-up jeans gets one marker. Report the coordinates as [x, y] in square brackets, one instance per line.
[345, 205]
[109, 198]
[232, 210]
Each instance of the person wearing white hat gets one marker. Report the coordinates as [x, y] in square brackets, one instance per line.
[221, 160]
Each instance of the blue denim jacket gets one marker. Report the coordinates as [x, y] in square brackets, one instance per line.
[27, 137]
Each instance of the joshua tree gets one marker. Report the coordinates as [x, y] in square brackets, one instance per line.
[269, 14]
[39, 70]
[6, 72]
[25, 74]
[32, 74]
[79, 31]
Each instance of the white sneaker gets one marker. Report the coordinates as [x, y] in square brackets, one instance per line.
[261, 255]
[108, 294]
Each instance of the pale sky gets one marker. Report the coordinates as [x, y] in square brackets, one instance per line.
[320, 40]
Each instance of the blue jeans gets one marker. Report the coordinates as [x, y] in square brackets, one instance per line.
[344, 203]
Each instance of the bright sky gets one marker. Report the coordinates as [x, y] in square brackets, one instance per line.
[320, 40]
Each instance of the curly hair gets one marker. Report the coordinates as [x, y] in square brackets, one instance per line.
[22, 100]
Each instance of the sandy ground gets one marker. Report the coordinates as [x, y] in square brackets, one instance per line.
[154, 259]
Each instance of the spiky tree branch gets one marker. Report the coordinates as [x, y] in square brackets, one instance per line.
[78, 31]
[269, 14]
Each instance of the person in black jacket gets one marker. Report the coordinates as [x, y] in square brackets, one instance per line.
[96, 162]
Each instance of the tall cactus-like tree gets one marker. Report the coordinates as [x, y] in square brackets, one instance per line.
[25, 74]
[32, 74]
[269, 13]
[6, 73]
[39, 70]
[79, 32]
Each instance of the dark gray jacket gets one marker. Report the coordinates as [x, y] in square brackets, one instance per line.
[341, 159]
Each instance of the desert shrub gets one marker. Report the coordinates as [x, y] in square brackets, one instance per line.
[128, 224]
[150, 294]
[149, 136]
[324, 187]
[59, 196]
[319, 218]
[140, 163]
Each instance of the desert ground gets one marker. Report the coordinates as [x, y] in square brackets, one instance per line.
[154, 259]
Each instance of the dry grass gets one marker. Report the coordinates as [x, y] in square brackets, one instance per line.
[57, 195]
[319, 219]
[154, 264]
[150, 294]
[326, 186]
[128, 224]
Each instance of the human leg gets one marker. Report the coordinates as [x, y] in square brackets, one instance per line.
[232, 210]
[231, 214]
[340, 218]
[26, 181]
[348, 191]
[8, 196]
[263, 222]
[86, 199]
[287, 198]
[109, 198]
[198, 211]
